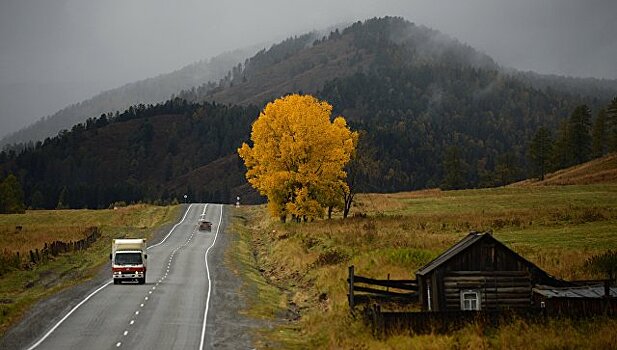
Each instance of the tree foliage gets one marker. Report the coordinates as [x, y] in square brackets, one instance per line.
[540, 152]
[298, 156]
[11, 196]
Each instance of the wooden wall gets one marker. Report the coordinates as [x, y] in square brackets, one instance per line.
[499, 289]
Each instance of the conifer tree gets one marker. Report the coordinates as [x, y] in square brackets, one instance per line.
[580, 138]
[598, 142]
[540, 152]
[453, 167]
[611, 125]
[11, 196]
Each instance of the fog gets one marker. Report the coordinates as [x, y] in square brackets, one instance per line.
[57, 52]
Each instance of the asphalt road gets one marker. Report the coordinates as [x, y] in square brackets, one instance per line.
[170, 311]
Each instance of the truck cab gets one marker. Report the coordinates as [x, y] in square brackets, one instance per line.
[129, 260]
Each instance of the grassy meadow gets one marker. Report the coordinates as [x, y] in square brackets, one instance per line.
[21, 288]
[297, 272]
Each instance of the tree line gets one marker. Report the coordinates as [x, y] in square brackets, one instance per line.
[578, 139]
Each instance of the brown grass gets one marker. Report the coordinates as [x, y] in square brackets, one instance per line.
[556, 228]
[598, 171]
[21, 288]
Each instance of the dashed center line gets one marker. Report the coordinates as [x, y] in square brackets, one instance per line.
[171, 257]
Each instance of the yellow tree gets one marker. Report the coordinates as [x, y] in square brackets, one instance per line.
[298, 156]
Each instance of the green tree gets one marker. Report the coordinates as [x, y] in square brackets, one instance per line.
[454, 170]
[506, 168]
[611, 125]
[562, 153]
[540, 152]
[11, 196]
[580, 138]
[598, 135]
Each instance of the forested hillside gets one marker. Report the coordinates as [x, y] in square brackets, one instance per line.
[143, 154]
[432, 113]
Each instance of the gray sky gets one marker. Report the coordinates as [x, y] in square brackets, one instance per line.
[57, 52]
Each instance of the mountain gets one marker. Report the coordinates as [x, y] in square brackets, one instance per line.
[433, 112]
[147, 91]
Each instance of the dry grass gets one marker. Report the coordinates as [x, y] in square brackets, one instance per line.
[557, 228]
[20, 288]
[598, 171]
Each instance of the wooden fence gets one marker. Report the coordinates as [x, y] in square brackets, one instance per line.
[15, 260]
[364, 290]
[385, 323]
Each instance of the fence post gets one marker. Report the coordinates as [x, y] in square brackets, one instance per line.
[387, 287]
[350, 279]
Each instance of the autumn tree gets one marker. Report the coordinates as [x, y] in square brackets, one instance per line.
[298, 156]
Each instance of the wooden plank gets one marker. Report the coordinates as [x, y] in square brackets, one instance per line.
[383, 292]
[401, 284]
[484, 278]
[486, 296]
[488, 284]
[487, 273]
[366, 299]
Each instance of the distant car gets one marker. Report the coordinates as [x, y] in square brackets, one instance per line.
[205, 225]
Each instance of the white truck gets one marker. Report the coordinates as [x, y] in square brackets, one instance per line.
[128, 260]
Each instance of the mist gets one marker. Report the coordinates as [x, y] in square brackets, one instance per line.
[56, 53]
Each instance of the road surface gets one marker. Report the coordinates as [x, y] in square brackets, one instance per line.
[170, 311]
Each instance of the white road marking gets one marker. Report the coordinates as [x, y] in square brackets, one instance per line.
[132, 321]
[172, 229]
[142, 305]
[126, 332]
[136, 312]
[98, 290]
[67, 316]
[118, 344]
[203, 328]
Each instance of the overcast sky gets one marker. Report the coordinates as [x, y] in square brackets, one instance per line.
[57, 52]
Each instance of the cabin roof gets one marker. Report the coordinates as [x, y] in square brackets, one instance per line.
[468, 241]
[473, 238]
[594, 291]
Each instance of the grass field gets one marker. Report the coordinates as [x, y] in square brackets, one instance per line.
[21, 288]
[301, 268]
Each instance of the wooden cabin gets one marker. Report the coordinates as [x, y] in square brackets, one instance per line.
[479, 273]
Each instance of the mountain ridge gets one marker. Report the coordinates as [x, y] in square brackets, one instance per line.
[227, 69]
[440, 116]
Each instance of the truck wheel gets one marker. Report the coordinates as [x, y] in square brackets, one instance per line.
[142, 280]
[116, 281]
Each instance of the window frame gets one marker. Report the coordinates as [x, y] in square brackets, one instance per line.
[477, 299]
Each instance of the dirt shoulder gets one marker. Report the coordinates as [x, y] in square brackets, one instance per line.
[229, 326]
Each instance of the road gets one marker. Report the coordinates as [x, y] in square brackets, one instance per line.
[167, 312]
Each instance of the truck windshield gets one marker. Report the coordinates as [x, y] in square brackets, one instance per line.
[128, 259]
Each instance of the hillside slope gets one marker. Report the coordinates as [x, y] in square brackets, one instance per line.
[598, 171]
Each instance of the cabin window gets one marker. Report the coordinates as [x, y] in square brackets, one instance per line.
[470, 300]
